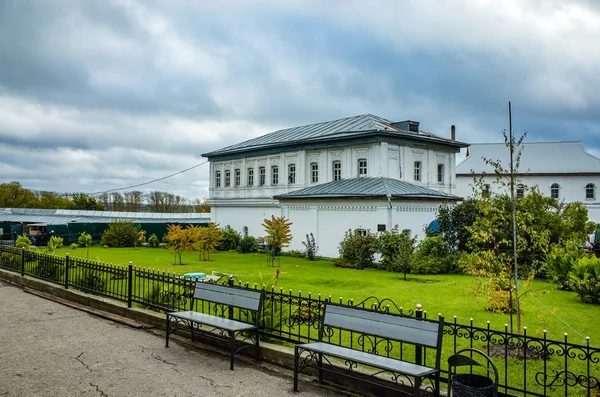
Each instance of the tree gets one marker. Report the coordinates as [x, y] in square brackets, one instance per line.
[201, 206]
[85, 240]
[357, 248]
[278, 234]
[52, 200]
[310, 247]
[84, 201]
[134, 201]
[453, 221]
[230, 241]
[179, 240]
[121, 234]
[205, 239]
[13, 195]
[397, 250]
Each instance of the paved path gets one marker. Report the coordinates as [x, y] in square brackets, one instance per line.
[47, 349]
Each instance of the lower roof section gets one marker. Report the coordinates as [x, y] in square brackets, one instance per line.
[368, 188]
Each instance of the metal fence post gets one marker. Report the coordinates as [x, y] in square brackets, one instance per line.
[22, 262]
[67, 271]
[419, 349]
[129, 283]
[230, 308]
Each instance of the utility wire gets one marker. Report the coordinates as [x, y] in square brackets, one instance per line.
[152, 181]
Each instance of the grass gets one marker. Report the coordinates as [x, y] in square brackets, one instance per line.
[544, 307]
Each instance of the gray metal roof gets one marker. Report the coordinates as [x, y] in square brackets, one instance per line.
[63, 217]
[341, 128]
[537, 158]
[368, 187]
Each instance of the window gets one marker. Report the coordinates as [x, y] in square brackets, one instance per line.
[227, 178]
[554, 190]
[314, 172]
[362, 167]
[337, 170]
[274, 175]
[360, 232]
[440, 173]
[262, 175]
[245, 231]
[417, 170]
[590, 191]
[250, 176]
[238, 177]
[218, 179]
[408, 232]
[520, 191]
[381, 228]
[485, 190]
[292, 174]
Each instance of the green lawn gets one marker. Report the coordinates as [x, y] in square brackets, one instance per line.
[451, 295]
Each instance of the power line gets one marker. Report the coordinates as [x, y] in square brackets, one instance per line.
[152, 181]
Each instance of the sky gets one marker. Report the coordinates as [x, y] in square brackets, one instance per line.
[100, 95]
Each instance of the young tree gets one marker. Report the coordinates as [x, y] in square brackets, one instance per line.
[397, 250]
[278, 234]
[121, 234]
[179, 240]
[85, 240]
[205, 239]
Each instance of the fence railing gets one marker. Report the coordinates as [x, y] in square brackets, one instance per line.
[528, 365]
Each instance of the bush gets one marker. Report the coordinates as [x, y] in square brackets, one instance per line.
[54, 243]
[23, 242]
[310, 247]
[121, 234]
[248, 244]
[584, 279]
[559, 261]
[73, 246]
[293, 253]
[153, 241]
[342, 264]
[396, 251]
[231, 240]
[357, 249]
[433, 256]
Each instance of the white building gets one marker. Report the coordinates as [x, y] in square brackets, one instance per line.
[360, 172]
[563, 170]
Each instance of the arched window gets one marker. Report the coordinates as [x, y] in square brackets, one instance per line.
[590, 191]
[554, 190]
[520, 191]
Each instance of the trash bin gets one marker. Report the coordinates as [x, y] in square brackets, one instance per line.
[471, 385]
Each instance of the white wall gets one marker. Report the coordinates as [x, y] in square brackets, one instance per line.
[239, 216]
[572, 189]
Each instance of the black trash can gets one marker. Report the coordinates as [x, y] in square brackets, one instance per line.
[472, 385]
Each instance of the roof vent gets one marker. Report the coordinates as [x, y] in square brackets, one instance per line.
[407, 125]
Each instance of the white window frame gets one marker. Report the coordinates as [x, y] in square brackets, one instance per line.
[238, 176]
[520, 193]
[362, 167]
[590, 187]
[417, 171]
[274, 175]
[292, 174]
[555, 191]
[336, 166]
[218, 179]
[250, 176]
[262, 176]
[314, 172]
[440, 173]
[227, 178]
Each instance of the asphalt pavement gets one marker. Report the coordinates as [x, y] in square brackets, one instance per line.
[47, 349]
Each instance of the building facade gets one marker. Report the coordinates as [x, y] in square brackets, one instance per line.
[562, 170]
[250, 180]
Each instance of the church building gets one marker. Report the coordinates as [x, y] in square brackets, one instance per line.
[362, 172]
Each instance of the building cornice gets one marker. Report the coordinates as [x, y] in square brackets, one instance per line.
[536, 174]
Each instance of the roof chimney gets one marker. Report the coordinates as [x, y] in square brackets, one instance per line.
[453, 132]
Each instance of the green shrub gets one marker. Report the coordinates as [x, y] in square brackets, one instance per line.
[54, 243]
[433, 256]
[73, 246]
[23, 242]
[396, 251]
[559, 261]
[584, 279]
[10, 260]
[341, 263]
[293, 253]
[121, 234]
[153, 241]
[248, 244]
[231, 240]
[310, 247]
[358, 249]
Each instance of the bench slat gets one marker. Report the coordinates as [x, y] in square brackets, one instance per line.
[218, 322]
[385, 363]
[381, 324]
[248, 293]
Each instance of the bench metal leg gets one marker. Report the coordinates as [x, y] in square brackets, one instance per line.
[192, 331]
[167, 332]
[436, 392]
[320, 368]
[296, 360]
[232, 353]
[417, 391]
[258, 357]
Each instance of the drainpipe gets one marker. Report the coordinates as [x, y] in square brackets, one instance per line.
[389, 222]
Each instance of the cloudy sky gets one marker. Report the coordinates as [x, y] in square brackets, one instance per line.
[98, 95]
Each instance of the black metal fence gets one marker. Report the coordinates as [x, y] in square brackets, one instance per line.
[528, 365]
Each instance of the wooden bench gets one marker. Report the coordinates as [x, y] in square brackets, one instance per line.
[224, 299]
[376, 330]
